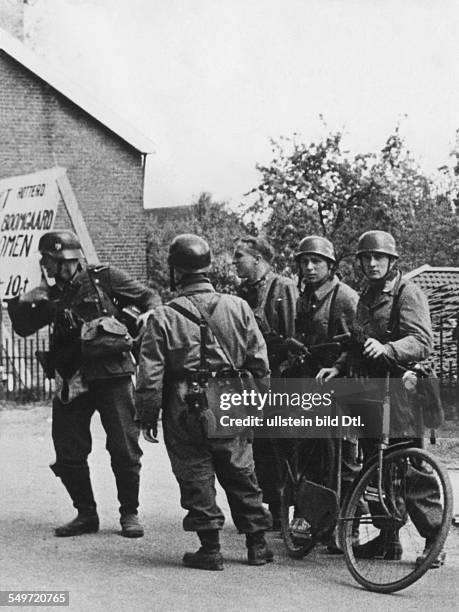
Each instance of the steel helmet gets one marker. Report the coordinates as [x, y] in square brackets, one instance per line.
[190, 253]
[316, 245]
[377, 241]
[61, 244]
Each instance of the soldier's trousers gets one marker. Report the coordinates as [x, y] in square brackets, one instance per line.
[422, 500]
[269, 468]
[196, 464]
[113, 398]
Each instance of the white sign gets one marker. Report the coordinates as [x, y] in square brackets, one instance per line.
[28, 206]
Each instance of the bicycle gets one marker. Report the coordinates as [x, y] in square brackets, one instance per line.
[389, 484]
[308, 481]
[377, 505]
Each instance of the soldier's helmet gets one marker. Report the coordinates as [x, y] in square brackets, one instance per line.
[316, 245]
[62, 244]
[377, 241]
[190, 253]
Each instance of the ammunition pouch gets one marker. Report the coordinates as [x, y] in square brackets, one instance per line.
[195, 398]
[104, 337]
[205, 386]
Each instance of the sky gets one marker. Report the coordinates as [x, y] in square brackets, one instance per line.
[212, 81]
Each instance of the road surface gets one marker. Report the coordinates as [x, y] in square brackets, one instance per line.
[104, 571]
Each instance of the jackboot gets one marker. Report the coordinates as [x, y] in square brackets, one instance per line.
[258, 552]
[438, 561]
[208, 557]
[86, 521]
[385, 546]
[130, 526]
[78, 485]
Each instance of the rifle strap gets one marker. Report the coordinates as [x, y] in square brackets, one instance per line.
[331, 313]
[268, 300]
[394, 314]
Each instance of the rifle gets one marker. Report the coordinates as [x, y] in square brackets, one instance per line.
[308, 358]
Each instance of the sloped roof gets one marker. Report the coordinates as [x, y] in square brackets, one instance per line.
[61, 83]
[441, 286]
[432, 277]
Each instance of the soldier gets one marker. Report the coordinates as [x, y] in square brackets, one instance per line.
[173, 348]
[82, 294]
[394, 322]
[326, 307]
[272, 298]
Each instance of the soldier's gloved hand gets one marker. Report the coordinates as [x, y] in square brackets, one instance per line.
[374, 348]
[150, 433]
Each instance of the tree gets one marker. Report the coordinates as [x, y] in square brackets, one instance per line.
[211, 220]
[319, 188]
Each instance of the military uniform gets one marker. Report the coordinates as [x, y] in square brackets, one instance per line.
[170, 350]
[410, 341]
[108, 380]
[323, 312]
[272, 300]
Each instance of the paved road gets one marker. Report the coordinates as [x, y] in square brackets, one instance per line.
[107, 572]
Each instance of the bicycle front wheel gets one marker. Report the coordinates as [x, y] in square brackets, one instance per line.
[392, 536]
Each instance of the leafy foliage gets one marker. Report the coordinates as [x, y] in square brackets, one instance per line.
[319, 189]
[211, 220]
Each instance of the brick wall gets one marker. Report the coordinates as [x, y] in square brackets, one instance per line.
[40, 129]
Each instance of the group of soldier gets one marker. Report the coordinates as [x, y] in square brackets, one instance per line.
[234, 336]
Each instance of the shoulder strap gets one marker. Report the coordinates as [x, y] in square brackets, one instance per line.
[270, 294]
[202, 331]
[393, 322]
[331, 314]
[184, 312]
[215, 330]
[206, 316]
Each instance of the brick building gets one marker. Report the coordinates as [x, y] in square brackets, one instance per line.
[45, 121]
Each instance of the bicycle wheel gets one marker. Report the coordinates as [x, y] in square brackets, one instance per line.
[311, 460]
[417, 494]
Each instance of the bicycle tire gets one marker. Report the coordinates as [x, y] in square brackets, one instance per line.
[404, 471]
[303, 465]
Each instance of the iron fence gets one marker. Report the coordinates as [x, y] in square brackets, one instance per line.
[23, 378]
